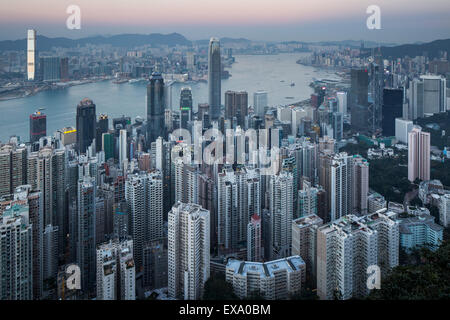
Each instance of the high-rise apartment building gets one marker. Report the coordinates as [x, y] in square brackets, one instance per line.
[418, 154]
[16, 247]
[188, 255]
[116, 273]
[281, 188]
[86, 243]
[360, 184]
[274, 280]
[348, 246]
[254, 239]
[304, 240]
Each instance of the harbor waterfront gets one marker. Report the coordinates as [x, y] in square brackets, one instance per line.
[275, 74]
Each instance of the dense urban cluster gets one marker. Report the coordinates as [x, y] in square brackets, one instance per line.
[128, 209]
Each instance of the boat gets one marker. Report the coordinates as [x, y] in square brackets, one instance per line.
[281, 80]
[292, 84]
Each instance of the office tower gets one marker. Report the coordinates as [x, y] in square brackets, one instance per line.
[298, 113]
[185, 107]
[214, 78]
[347, 247]
[116, 274]
[444, 210]
[260, 102]
[155, 264]
[190, 61]
[254, 239]
[67, 135]
[13, 167]
[64, 69]
[102, 127]
[392, 109]
[281, 196]
[360, 180]
[340, 187]
[236, 105]
[123, 149]
[402, 128]
[434, 94]
[359, 87]
[274, 280]
[86, 124]
[38, 126]
[50, 252]
[16, 246]
[188, 256]
[307, 200]
[337, 126]
[31, 55]
[155, 108]
[342, 102]
[202, 110]
[144, 196]
[376, 85]
[108, 145]
[418, 154]
[304, 241]
[86, 232]
[416, 96]
[50, 69]
[239, 198]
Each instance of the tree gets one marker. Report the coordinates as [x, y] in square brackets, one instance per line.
[216, 288]
[428, 279]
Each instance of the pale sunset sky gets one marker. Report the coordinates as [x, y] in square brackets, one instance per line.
[402, 21]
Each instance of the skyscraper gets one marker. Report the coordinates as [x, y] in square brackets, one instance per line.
[260, 102]
[123, 149]
[214, 78]
[360, 187]
[392, 109]
[38, 126]
[188, 256]
[185, 106]
[340, 188]
[281, 197]
[16, 264]
[254, 239]
[236, 105]
[31, 55]
[116, 272]
[155, 108]
[348, 246]
[86, 124]
[418, 154]
[86, 233]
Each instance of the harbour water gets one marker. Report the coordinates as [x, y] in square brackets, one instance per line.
[272, 73]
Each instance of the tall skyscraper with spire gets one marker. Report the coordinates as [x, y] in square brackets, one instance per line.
[214, 78]
[155, 107]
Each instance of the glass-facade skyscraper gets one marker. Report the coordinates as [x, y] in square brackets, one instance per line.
[214, 78]
[86, 124]
[155, 108]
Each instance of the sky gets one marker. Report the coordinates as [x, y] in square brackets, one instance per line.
[402, 21]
